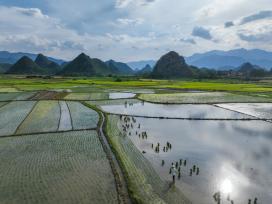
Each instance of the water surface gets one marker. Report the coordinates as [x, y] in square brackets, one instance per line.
[234, 157]
[119, 95]
[173, 111]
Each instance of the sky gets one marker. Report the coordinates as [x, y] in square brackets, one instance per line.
[131, 30]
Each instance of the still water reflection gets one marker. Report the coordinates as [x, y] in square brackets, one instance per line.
[233, 157]
[173, 111]
[119, 95]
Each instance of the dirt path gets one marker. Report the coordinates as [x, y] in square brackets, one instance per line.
[121, 185]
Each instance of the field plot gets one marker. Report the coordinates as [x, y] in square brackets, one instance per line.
[55, 168]
[114, 102]
[3, 103]
[44, 118]
[12, 114]
[260, 110]
[181, 111]
[87, 96]
[144, 183]
[15, 96]
[65, 117]
[47, 95]
[120, 95]
[205, 97]
[82, 116]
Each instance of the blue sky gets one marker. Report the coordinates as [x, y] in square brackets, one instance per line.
[128, 30]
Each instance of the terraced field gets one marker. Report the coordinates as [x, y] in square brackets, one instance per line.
[55, 168]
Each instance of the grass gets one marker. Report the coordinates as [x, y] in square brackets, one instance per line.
[55, 168]
[145, 186]
[206, 97]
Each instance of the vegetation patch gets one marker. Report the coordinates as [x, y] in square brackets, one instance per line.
[145, 186]
[44, 118]
[11, 116]
[205, 97]
[55, 168]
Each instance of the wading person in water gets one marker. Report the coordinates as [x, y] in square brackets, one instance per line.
[173, 172]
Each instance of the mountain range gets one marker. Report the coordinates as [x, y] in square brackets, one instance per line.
[221, 60]
[229, 59]
[13, 57]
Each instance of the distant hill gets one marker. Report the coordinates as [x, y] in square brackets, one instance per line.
[4, 67]
[145, 71]
[45, 63]
[137, 65]
[83, 65]
[119, 67]
[172, 65]
[26, 66]
[249, 70]
[222, 59]
[11, 58]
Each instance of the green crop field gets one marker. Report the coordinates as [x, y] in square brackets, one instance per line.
[55, 168]
[92, 84]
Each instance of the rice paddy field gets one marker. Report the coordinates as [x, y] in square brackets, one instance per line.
[55, 168]
[55, 146]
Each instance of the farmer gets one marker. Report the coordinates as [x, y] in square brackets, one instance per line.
[173, 172]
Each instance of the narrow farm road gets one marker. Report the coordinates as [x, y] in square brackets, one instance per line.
[121, 185]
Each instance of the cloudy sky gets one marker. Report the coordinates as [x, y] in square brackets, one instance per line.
[128, 30]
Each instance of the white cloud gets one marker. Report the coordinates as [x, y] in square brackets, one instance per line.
[126, 3]
[130, 22]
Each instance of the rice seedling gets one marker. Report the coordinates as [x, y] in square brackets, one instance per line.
[55, 168]
[82, 116]
[12, 114]
[44, 118]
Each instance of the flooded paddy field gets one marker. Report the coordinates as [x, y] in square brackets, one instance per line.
[230, 157]
[260, 110]
[174, 111]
